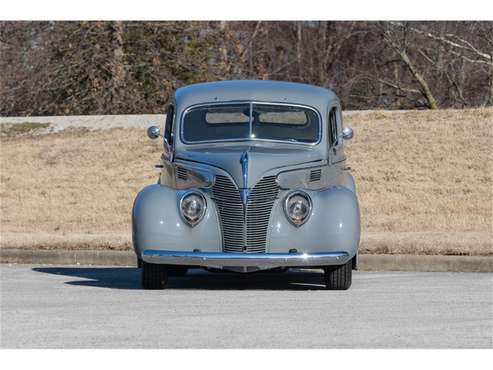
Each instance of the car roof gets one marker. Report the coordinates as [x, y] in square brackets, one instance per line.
[254, 90]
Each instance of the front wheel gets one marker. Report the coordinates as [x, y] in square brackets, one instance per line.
[176, 271]
[339, 277]
[154, 276]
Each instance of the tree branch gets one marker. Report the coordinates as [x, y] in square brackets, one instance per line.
[459, 44]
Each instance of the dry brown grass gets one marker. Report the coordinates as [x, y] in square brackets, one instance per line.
[424, 171]
[424, 181]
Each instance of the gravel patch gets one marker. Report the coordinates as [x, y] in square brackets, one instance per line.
[59, 123]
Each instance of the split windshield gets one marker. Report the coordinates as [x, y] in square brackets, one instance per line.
[250, 121]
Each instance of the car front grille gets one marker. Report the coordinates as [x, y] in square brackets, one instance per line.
[244, 229]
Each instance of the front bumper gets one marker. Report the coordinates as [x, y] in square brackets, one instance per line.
[244, 260]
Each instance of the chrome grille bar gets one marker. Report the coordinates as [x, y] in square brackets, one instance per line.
[244, 229]
[228, 201]
[259, 206]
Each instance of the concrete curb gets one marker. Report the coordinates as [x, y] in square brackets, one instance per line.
[407, 262]
[67, 257]
[367, 262]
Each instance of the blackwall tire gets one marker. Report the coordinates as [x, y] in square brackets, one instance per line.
[177, 271]
[339, 277]
[154, 276]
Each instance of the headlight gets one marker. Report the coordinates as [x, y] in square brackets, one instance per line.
[192, 207]
[298, 207]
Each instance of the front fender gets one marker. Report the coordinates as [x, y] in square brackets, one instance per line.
[348, 181]
[157, 224]
[334, 224]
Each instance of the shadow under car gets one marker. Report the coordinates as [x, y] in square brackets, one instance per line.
[130, 278]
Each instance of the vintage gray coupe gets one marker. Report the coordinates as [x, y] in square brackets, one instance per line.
[253, 177]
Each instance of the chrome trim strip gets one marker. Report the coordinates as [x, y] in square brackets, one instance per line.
[244, 169]
[251, 103]
[197, 178]
[238, 259]
[250, 123]
[300, 178]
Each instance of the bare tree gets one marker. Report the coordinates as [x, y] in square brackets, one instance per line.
[118, 62]
[397, 39]
[132, 67]
[467, 50]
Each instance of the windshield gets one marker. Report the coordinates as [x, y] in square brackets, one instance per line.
[250, 121]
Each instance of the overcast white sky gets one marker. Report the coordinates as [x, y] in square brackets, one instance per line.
[247, 10]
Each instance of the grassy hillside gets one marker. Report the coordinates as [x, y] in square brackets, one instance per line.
[424, 180]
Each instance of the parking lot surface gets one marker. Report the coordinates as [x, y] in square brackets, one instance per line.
[104, 307]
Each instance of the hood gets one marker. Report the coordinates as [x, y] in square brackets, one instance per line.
[246, 164]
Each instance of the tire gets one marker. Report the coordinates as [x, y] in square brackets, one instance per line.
[177, 271]
[338, 277]
[154, 276]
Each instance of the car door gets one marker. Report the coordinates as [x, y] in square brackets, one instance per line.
[168, 126]
[336, 150]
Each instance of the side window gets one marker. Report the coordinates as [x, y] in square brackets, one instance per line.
[168, 127]
[333, 134]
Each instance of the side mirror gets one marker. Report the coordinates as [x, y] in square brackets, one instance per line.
[347, 133]
[153, 132]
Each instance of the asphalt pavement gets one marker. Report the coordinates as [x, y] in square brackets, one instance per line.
[104, 307]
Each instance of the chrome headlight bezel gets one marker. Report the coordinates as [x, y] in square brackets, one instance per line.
[183, 197]
[305, 196]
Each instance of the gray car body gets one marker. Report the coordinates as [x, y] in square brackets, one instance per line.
[334, 223]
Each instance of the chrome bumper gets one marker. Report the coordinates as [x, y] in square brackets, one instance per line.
[235, 259]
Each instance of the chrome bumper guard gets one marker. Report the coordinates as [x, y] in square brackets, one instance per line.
[237, 259]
